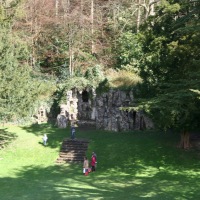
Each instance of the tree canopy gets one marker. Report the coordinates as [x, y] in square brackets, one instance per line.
[20, 89]
[169, 65]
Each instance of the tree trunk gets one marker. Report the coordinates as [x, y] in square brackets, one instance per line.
[56, 7]
[92, 24]
[70, 39]
[185, 140]
[151, 8]
[138, 15]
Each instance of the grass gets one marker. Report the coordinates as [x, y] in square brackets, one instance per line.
[135, 165]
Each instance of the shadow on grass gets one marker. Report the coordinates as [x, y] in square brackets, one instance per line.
[67, 182]
[155, 150]
[6, 138]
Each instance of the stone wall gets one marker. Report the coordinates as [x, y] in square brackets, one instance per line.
[109, 116]
[104, 110]
[69, 110]
[87, 106]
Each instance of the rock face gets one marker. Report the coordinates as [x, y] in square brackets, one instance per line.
[87, 105]
[42, 115]
[69, 110]
[109, 116]
[105, 110]
[61, 121]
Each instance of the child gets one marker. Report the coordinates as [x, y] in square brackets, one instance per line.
[45, 138]
[85, 166]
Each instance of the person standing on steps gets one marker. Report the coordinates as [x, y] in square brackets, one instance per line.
[73, 132]
[73, 128]
[93, 162]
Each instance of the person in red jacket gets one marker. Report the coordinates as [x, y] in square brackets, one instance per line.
[93, 162]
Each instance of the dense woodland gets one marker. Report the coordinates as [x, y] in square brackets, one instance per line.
[152, 46]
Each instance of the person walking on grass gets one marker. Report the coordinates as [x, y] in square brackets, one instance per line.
[93, 162]
[85, 166]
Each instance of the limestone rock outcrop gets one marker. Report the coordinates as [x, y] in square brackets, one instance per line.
[104, 110]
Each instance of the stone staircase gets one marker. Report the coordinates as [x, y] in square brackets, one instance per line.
[72, 150]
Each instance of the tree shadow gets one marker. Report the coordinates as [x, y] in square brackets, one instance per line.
[142, 149]
[54, 182]
[67, 182]
[6, 137]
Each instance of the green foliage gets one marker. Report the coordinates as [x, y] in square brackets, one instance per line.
[103, 87]
[59, 96]
[15, 79]
[79, 83]
[170, 66]
[123, 18]
[22, 91]
[19, 91]
[167, 58]
[8, 11]
[75, 82]
[56, 42]
[123, 79]
[129, 51]
[52, 52]
[94, 75]
[118, 79]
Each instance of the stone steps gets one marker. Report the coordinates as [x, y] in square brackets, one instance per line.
[70, 154]
[63, 160]
[72, 151]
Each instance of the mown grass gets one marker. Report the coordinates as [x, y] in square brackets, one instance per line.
[134, 165]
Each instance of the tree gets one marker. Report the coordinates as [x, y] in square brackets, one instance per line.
[170, 67]
[20, 89]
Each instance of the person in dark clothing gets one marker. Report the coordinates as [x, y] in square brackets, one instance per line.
[73, 132]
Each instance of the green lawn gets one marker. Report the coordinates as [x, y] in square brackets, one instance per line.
[135, 165]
